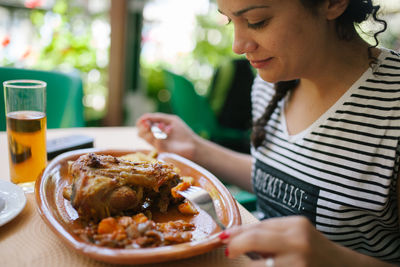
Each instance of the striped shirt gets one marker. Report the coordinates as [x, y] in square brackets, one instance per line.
[341, 172]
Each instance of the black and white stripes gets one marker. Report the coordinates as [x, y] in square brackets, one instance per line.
[349, 157]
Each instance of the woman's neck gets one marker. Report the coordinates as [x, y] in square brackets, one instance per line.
[315, 94]
[339, 67]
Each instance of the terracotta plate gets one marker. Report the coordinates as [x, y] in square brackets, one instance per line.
[62, 218]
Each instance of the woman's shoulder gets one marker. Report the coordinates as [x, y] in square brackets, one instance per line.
[387, 69]
[392, 52]
[389, 59]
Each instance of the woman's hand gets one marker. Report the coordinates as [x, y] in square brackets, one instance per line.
[233, 167]
[181, 139]
[291, 241]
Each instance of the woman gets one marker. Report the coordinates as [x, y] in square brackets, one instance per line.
[325, 153]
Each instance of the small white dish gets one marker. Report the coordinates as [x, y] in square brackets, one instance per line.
[15, 201]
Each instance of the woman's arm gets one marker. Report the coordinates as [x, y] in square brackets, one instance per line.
[231, 166]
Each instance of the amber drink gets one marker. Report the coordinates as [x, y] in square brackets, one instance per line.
[26, 131]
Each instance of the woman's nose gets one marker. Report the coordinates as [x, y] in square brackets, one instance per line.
[242, 43]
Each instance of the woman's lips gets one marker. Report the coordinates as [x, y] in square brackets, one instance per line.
[259, 64]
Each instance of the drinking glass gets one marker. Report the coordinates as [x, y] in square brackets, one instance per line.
[25, 102]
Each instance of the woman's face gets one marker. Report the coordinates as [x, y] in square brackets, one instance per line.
[281, 38]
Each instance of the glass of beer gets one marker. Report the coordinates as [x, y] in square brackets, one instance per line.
[25, 102]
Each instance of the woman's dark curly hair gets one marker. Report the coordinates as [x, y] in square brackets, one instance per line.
[356, 12]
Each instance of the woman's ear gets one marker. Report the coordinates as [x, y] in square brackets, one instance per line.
[335, 8]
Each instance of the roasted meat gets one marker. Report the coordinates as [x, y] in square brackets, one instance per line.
[104, 185]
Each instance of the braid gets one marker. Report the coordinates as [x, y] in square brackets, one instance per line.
[281, 89]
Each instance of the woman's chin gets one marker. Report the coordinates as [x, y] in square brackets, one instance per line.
[268, 76]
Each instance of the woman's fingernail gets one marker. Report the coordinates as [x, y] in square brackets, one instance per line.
[226, 252]
[224, 235]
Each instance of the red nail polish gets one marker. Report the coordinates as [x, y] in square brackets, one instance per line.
[226, 252]
[224, 235]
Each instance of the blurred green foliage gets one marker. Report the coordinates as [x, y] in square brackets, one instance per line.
[71, 48]
[67, 47]
[213, 39]
[63, 40]
[213, 44]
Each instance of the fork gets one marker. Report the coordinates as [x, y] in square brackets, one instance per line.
[201, 199]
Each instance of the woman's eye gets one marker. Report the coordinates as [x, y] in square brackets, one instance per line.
[257, 25]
